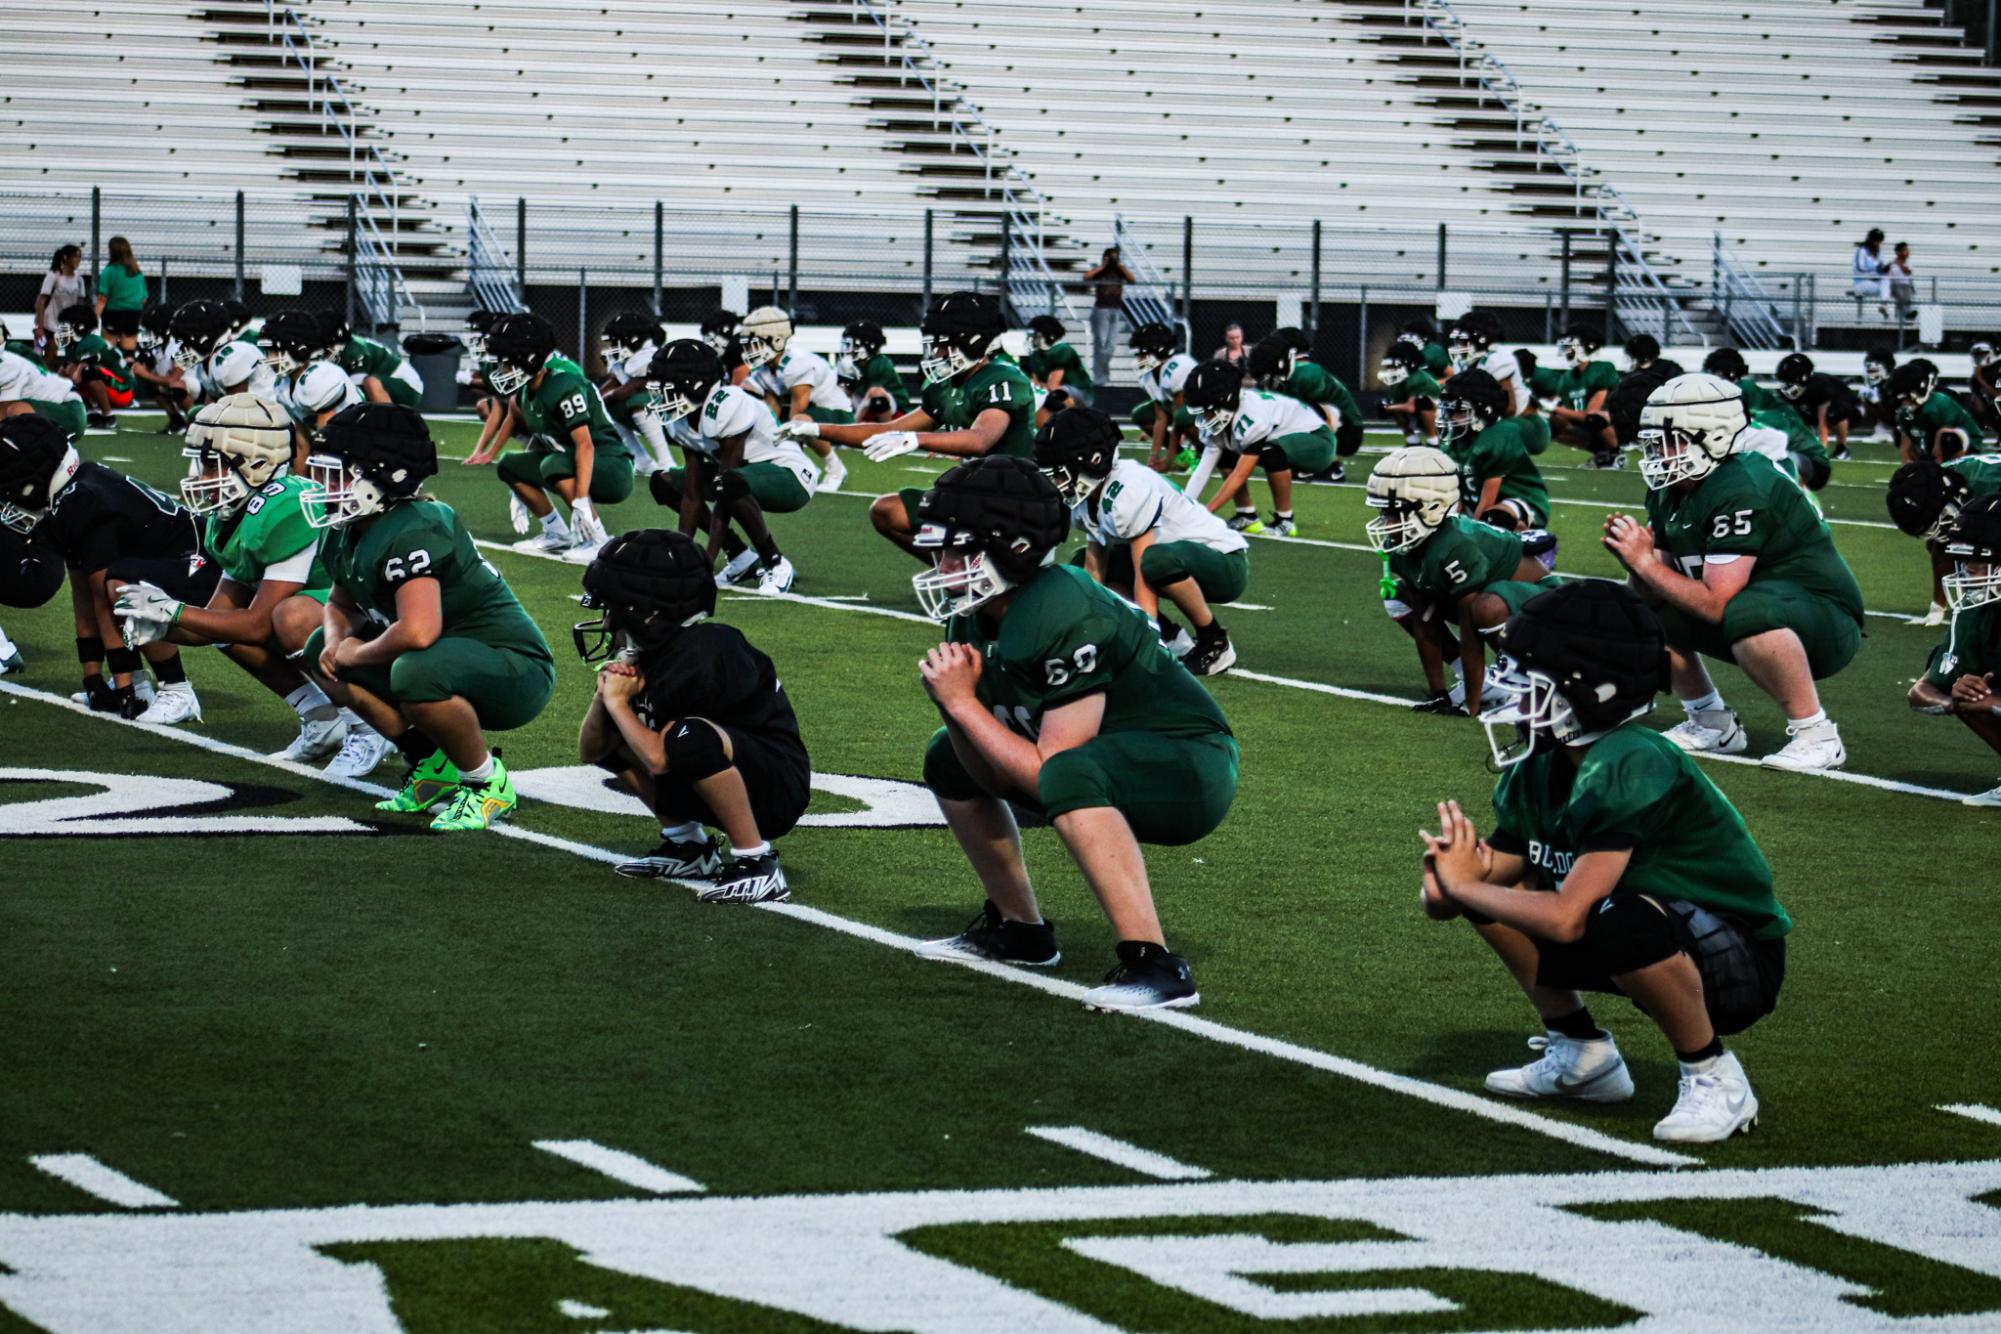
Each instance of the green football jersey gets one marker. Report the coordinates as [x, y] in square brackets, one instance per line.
[1577, 384]
[1980, 472]
[1939, 411]
[423, 539]
[1755, 397]
[881, 373]
[997, 384]
[1311, 383]
[269, 530]
[1464, 556]
[21, 347]
[1547, 381]
[1502, 450]
[1800, 438]
[1066, 636]
[1039, 365]
[1633, 788]
[1417, 384]
[1437, 360]
[365, 356]
[1972, 646]
[565, 400]
[93, 350]
[1747, 507]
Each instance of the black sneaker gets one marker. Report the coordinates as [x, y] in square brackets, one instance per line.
[1334, 472]
[1148, 977]
[1841, 454]
[1030, 944]
[1610, 460]
[758, 879]
[1212, 655]
[1441, 703]
[675, 860]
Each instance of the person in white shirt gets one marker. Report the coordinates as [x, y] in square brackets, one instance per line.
[1472, 343]
[27, 387]
[799, 384]
[1146, 540]
[1257, 429]
[1871, 272]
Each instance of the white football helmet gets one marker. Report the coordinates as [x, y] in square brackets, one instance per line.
[236, 445]
[1688, 426]
[765, 333]
[1417, 488]
[324, 387]
[232, 367]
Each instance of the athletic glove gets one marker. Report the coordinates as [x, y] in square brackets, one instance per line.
[145, 613]
[584, 522]
[890, 445]
[518, 515]
[803, 429]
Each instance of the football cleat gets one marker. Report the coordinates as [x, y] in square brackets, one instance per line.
[1212, 655]
[1244, 521]
[758, 879]
[1442, 703]
[1148, 977]
[1711, 1107]
[173, 705]
[835, 474]
[1279, 528]
[1333, 473]
[548, 542]
[1712, 731]
[10, 661]
[1991, 797]
[1586, 1070]
[317, 739]
[777, 578]
[478, 805]
[989, 936]
[583, 553]
[1810, 749]
[363, 749]
[1180, 643]
[738, 569]
[1610, 460]
[675, 859]
[423, 785]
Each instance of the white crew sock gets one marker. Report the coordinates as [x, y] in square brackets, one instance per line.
[691, 832]
[1815, 719]
[1701, 1067]
[552, 522]
[751, 850]
[311, 703]
[1709, 703]
[480, 772]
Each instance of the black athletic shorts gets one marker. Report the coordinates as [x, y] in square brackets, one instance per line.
[777, 777]
[121, 321]
[191, 578]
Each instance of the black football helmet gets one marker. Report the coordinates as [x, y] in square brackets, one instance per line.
[1153, 343]
[1913, 382]
[863, 340]
[990, 525]
[1419, 333]
[959, 333]
[1213, 393]
[1726, 362]
[1878, 362]
[1974, 546]
[292, 339]
[335, 329]
[156, 326]
[1468, 404]
[1578, 344]
[646, 587]
[37, 460]
[1472, 336]
[1045, 332]
[518, 347]
[1925, 498]
[1643, 350]
[681, 377]
[1980, 353]
[720, 328]
[200, 328]
[239, 316]
[1794, 370]
[1399, 360]
[1574, 663]
[1076, 449]
[627, 333]
[478, 325]
[1272, 360]
[73, 324]
[368, 457]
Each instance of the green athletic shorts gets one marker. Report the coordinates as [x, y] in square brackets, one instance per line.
[831, 416]
[1831, 636]
[1307, 451]
[68, 414]
[1172, 790]
[507, 688]
[1515, 592]
[776, 490]
[1535, 431]
[1221, 575]
[542, 467]
[402, 392]
[1144, 414]
[910, 496]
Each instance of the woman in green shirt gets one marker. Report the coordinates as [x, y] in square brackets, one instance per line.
[121, 295]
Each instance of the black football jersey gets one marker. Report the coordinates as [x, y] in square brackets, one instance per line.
[30, 569]
[103, 515]
[711, 671]
[1824, 388]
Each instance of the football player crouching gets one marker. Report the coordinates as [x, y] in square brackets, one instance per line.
[976, 401]
[1415, 391]
[1251, 428]
[739, 466]
[869, 374]
[381, 372]
[1615, 866]
[1280, 363]
[154, 369]
[1162, 417]
[420, 637]
[93, 365]
[798, 384]
[630, 340]
[1448, 581]
[1147, 541]
[1925, 498]
[692, 718]
[1057, 695]
[1499, 482]
[1963, 677]
[1055, 369]
[1931, 423]
[31, 573]
[216, 361]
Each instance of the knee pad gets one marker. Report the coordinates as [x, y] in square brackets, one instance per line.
[1733, 987]
[90, 649]
[665, 490]
[730, 488]
[1627, 932]
[1348, 439]
[694, 751]
[1273, 459]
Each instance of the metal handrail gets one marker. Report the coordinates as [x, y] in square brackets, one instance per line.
[490, 270]
[379, 281]
[1747, 310]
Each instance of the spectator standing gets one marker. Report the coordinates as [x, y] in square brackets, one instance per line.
[1870, 270]
[1903, 284]
[1233, 349]
[1108, 310]
[121, 296]
[62, 287]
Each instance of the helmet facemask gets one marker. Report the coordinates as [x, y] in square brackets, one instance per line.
[1669, 455]
[1793, 389]
[667, 402]
[506, 379]
[1980, 354]
[1875, 372]
[338, 495]
[1403, 523]
[1972, 583]
[762, 349]
[191, 353]
[960, 581]
[23, 519]
[1458, 420]
[213, 485]
[1074, 484]
[1392, 373]
[1463, 349]
[944, 359]
[1525, 713]
[1573, 351]
[68, 335]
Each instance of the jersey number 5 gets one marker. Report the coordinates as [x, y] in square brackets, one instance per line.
[1084, 660]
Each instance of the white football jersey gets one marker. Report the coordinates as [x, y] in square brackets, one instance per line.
[1166, 380]
[22, 380]
[729, 411]
[1135, 500]
[798, 366]
[1503, 367]
[634, 366]
[1263, 416]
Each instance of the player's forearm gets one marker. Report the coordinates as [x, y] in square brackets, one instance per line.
[1540, 914]
[372, 390]
[1013, 759]
[967, 444]
[645, 743]
[583, 454]
[1928, 698]
[1690, 596]
[400, 638]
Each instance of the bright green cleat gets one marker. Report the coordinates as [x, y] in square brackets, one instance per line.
[424, 786]
[478, 805]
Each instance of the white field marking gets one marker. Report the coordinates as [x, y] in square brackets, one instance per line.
[1843, 776]
[1436, 1094]
[620, 1166]
[1973, 1111]
[1320, 688]
[106, 1183]
[1130, 1156]
[580, 1310]
[1245, 606]
[112, 458]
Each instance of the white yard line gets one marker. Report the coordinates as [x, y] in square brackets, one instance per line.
[106, 1183]
[1973, 1111]
[1436, 1094]
[1130, 1156]
[620, 1166]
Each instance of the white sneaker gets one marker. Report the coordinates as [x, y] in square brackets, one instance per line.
[317, 739]
[1711, 1107]
[548, 542]
[1934, 617]
[777, 578]
[359, 754]
[142, 688]
[583, 553]
[835, 473]
[1810, 749]
[1181, 643]
[518, 515]
[172, 705]
[1712, 731]
[738, 569]
[1585, 1070]
[1992, 797]
[10, 659]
